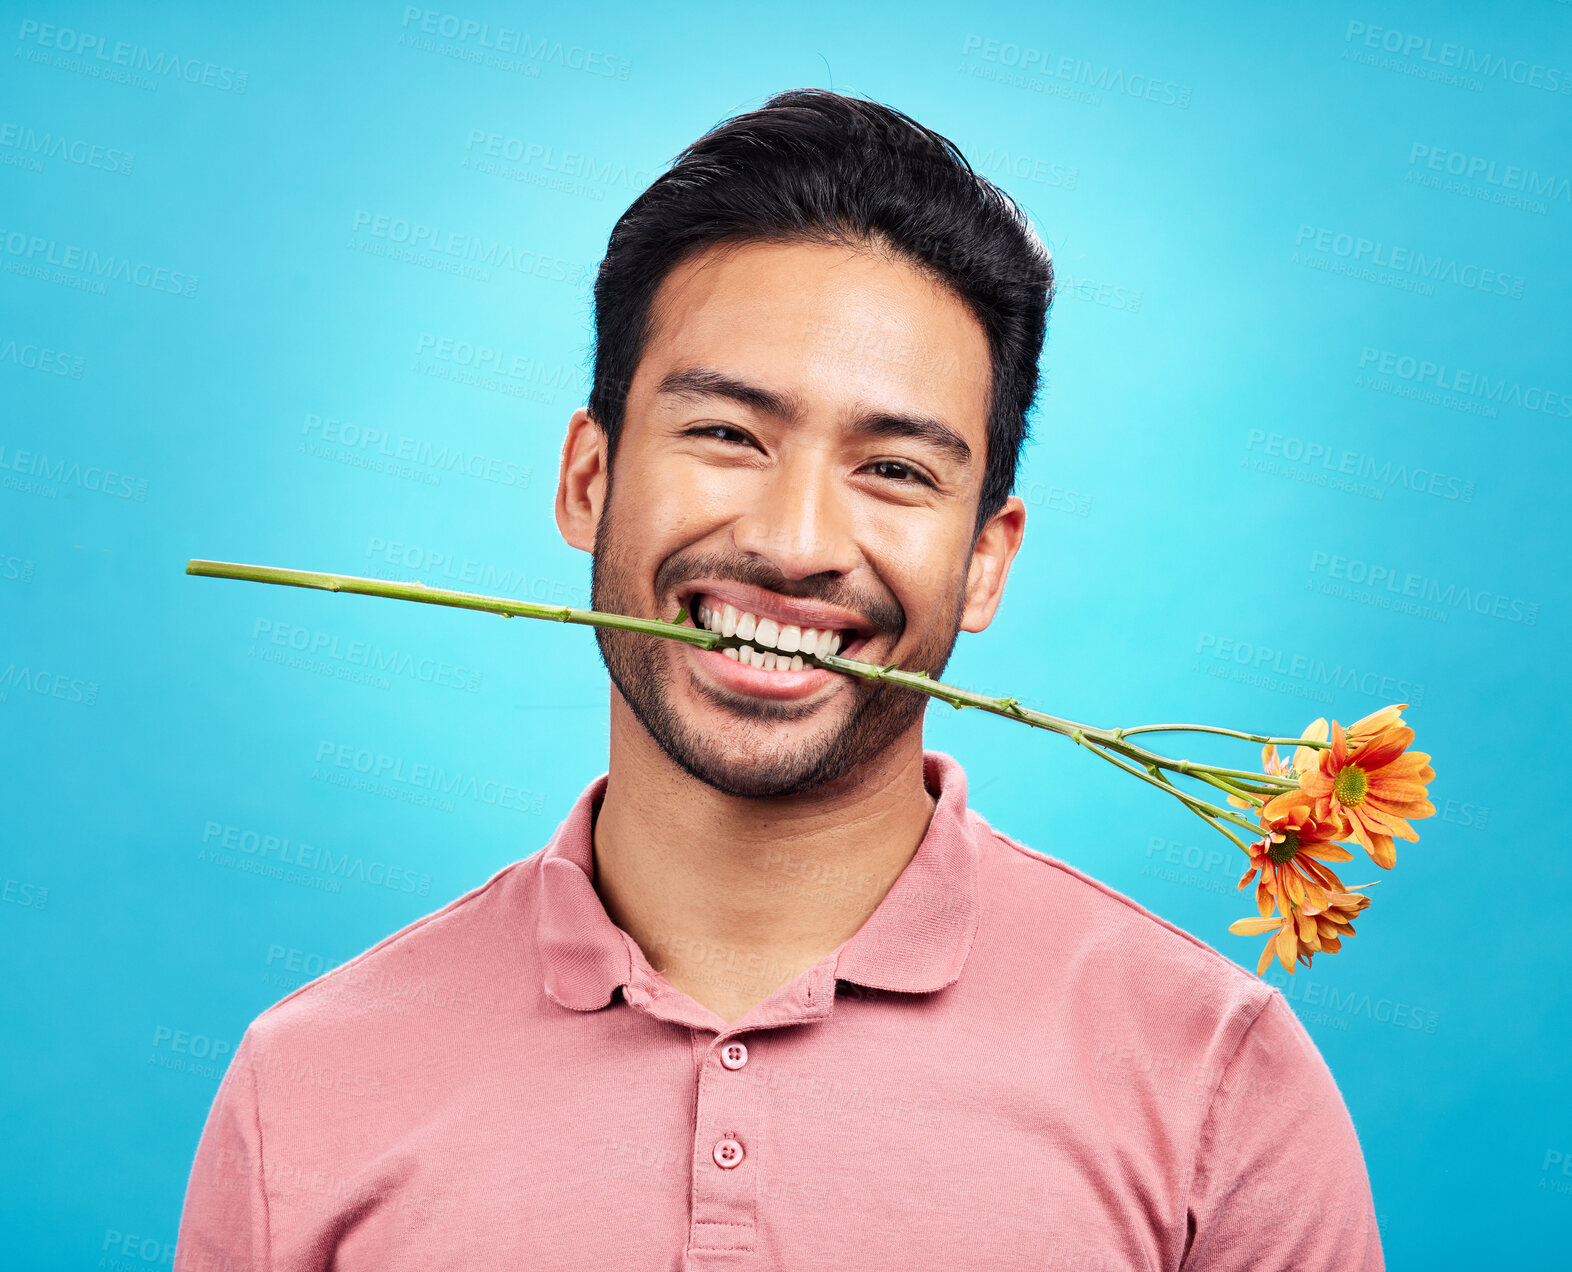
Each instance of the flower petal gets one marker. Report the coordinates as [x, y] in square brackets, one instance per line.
[1384, 748]
[1377, 821]
[1361, 833]
[1326, 852]
[1382, 851]
[1378, 720]
[1314, 783]
[1332, 761]
[1307, 758]
[1416, 808]
[1287, 948]
[1408, 764]
[1280, 809]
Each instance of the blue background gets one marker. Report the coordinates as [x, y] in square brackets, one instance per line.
[1254, 497]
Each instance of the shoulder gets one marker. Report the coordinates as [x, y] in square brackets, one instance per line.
[1133, 968]
[441, 967]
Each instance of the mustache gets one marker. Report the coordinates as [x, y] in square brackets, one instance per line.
[883, 613]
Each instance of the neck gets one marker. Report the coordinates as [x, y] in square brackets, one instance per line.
[732, 898]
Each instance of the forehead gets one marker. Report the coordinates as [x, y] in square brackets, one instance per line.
[840, 326]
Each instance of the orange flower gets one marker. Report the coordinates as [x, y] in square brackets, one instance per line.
[1283, 942]
[1373, 781]
[1302, 933]
[1307, 757]
[1336, 921]
[1373, 723]
[1303, 759]
[1272, 767]
[1299, 839]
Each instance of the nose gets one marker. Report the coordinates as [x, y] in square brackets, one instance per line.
[799, 522]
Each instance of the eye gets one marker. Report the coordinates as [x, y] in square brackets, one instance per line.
[720, 432]
[897, 471]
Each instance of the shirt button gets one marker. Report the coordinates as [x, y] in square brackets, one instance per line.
[734, 1055]
[728, 1153]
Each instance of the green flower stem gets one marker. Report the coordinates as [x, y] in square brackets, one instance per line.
[458, 600]
[1220, 829]
[1153, 778]
[1244, 777]
[1229, 733]
[1228, 787]
[1206, 817]
[1100, 741]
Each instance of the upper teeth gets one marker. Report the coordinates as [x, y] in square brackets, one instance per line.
[767, 633]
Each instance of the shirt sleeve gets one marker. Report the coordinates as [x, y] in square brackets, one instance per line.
[225, 1220]
[1280, 1181]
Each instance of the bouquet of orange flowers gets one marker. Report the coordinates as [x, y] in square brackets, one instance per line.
[1364, 785]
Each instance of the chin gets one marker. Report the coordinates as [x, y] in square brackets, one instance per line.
[752, 767]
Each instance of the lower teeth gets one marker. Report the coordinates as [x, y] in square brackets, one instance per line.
[764, 659]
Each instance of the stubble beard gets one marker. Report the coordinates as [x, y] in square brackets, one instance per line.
[738, 758]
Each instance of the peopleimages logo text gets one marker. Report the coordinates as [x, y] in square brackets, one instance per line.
[37, 251]
[1383, 472]
[1311, 668]
[429, 777]
[573, 57]
[1460, 57]
[282, 851]
[490, 253]
[1465, 382]
[65, 472]
[1076, 70]
[41, 358]
[75, 150]
[1357, 250]
[117, 53]
[1508, 176]
[446, 458]
[1376, 578]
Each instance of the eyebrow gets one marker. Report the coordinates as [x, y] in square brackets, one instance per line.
[706, 382]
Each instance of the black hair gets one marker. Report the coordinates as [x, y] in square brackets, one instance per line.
[816, 166]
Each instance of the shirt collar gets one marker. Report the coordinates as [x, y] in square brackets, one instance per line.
[916, 940]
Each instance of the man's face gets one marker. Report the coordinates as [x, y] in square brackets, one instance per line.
[802, 452]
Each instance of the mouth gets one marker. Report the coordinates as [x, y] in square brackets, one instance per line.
[771, 644]
[774, 633]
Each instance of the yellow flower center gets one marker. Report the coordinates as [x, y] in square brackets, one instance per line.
[1283, 850]
[1351, 786]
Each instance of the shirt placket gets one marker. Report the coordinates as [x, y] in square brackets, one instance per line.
[728, 1139]
[731, 1110]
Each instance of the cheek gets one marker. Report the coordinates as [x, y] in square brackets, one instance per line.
[924, 564]
[667, 505]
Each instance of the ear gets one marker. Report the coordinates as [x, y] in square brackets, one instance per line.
[997, 543]
[581, 481]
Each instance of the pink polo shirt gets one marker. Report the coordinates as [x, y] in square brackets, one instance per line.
[1008, 1066]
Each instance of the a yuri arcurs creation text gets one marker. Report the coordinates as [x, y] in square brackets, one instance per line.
[1363, 784]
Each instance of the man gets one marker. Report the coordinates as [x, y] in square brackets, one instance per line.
[773, 997]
